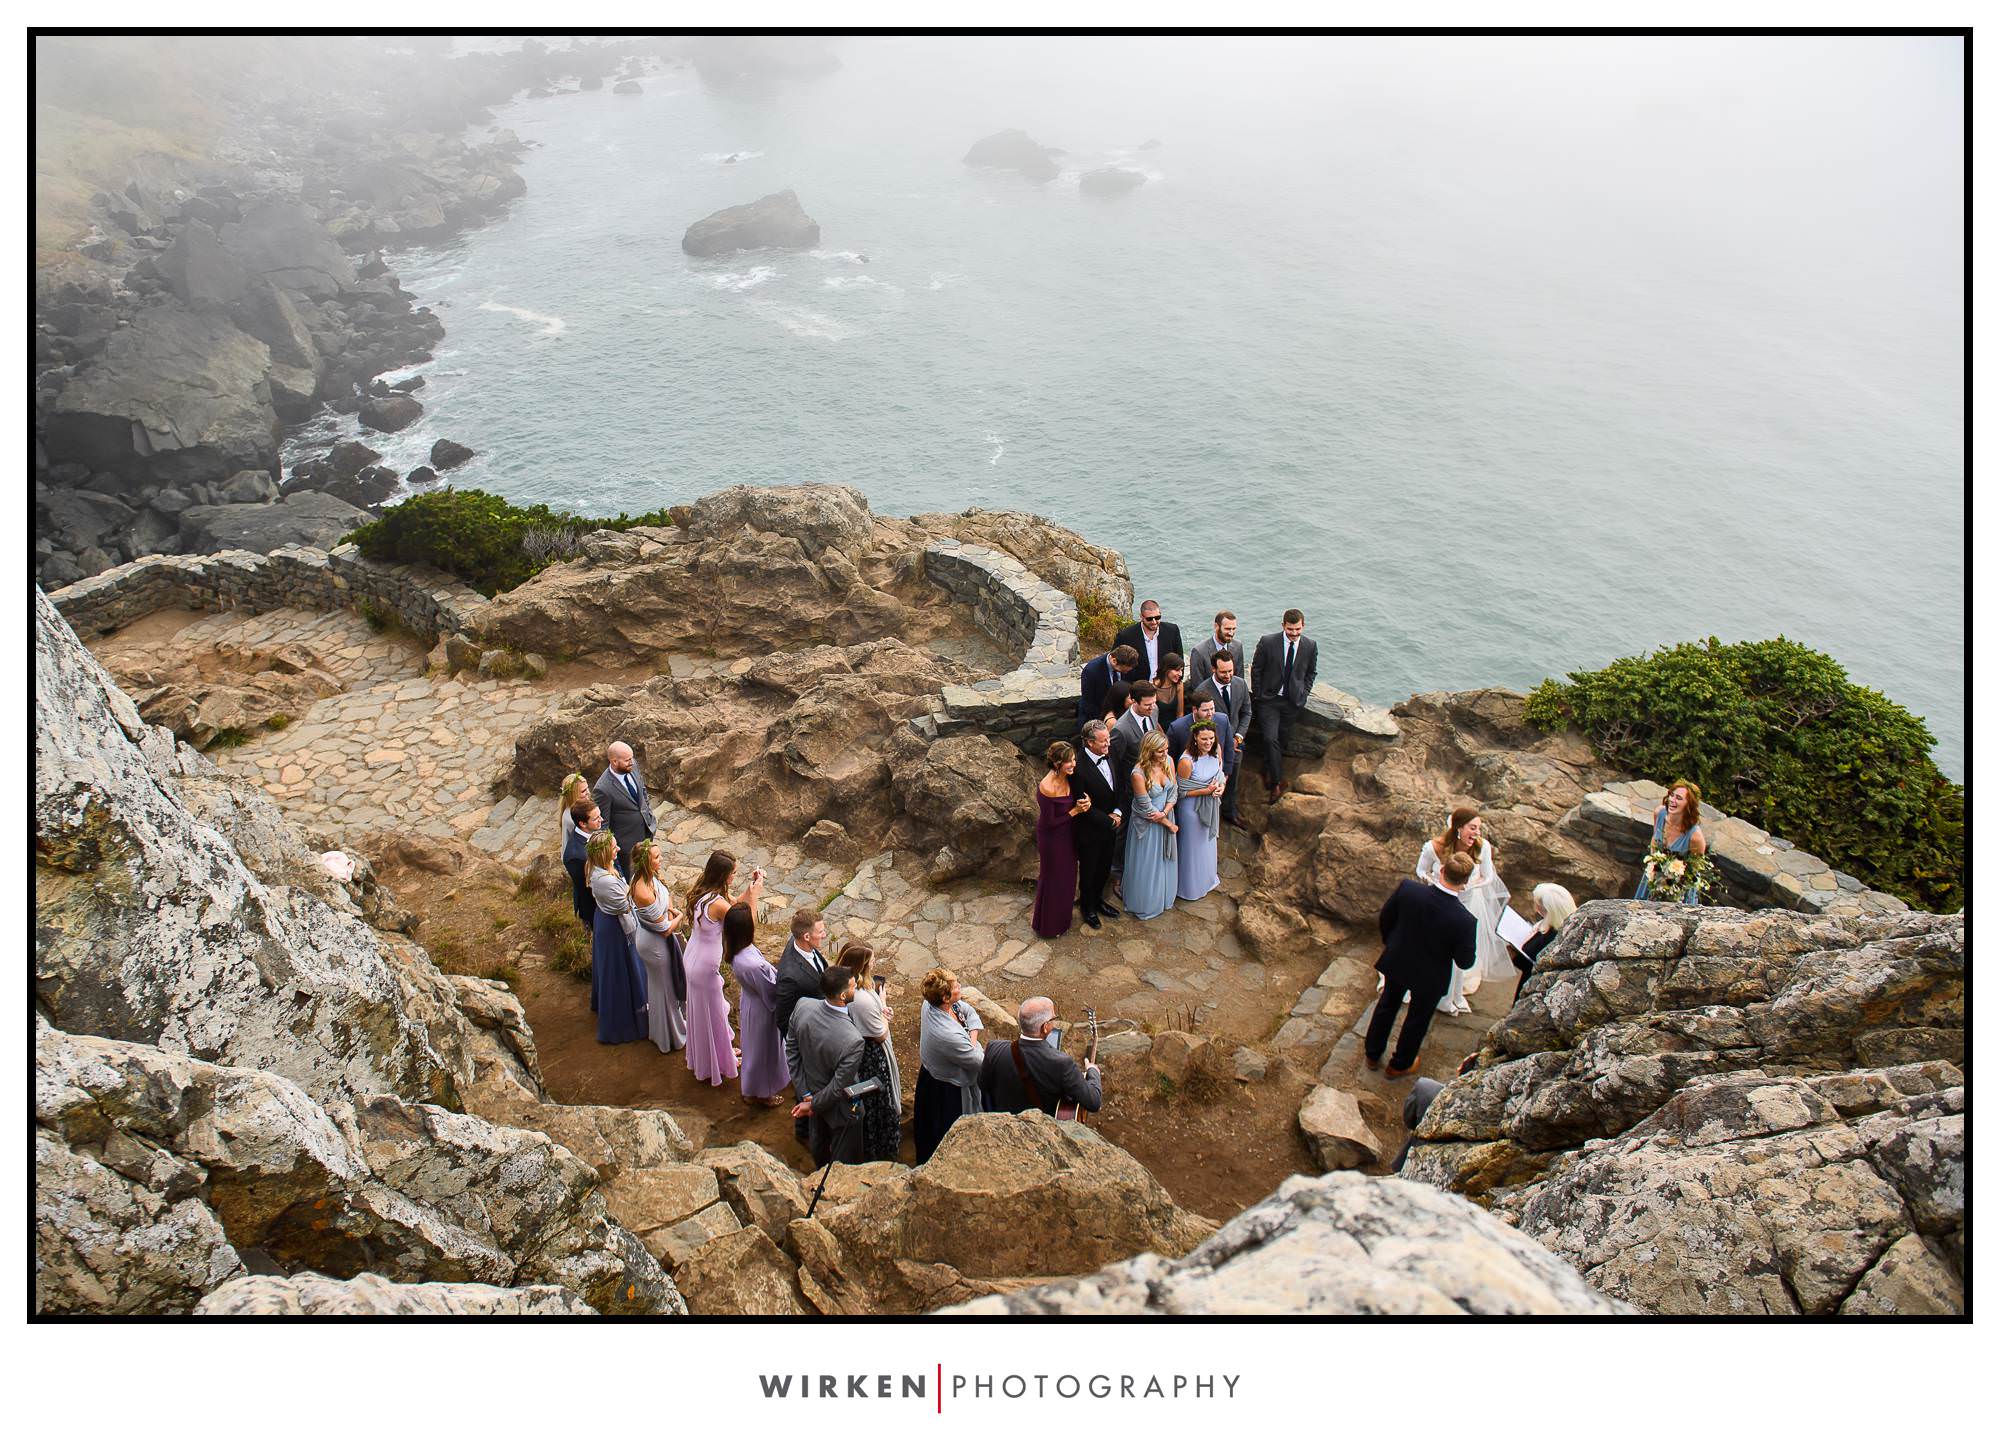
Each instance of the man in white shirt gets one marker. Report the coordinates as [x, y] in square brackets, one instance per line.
[1152, 638]
[1096, 828]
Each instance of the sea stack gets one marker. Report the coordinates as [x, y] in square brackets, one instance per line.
[1110, 181]
[776, 220]
[1013, 151]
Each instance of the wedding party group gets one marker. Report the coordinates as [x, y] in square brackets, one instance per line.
[1151, 781]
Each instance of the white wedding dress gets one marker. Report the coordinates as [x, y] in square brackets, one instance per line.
[1485, 898]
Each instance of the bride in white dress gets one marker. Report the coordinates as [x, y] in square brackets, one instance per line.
[1485, 897]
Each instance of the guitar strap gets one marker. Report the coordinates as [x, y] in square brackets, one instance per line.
[1027, 1083]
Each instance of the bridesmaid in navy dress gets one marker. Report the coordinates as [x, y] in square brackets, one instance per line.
[617, 981]
[1055, 883]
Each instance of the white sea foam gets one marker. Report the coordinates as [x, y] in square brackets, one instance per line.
[857, 257]
[941, 279]
[857, 283]
[999, 444]
[717, 158]
[744, 280]
[551, 325]
[801, 322]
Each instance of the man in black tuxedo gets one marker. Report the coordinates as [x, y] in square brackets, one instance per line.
[1152, 639]
[1096, 828]
[799, 971]
[1120, 665]
[1282, 672]
[1029, 1073]
[1426, 930]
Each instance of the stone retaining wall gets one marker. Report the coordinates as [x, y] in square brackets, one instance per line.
[1036, 702]
[426, 602]
[1758, 871]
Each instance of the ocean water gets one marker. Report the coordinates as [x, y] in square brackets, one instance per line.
[1500, 358]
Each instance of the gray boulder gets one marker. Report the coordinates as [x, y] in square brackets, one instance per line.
[1110, 181]
[348, 458]
[391, 413]
[200, 271]
[248, 487]
[315, 519]
[821, 519]
[776, 220]
[283, 242]
[1013, 150]
[175, 397]
[1342, 1244]
[76, 520]
[312, 1294]
[447, 454]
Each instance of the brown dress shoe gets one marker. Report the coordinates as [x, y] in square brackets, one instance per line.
[1375, 1064]
[1395, 1073]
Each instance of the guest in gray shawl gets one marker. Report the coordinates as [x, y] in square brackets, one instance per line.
[617, 979]
[653, 910]
[951, 1051]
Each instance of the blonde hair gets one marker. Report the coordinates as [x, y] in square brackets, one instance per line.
[569, 798]
[602, 849]
[1458, 868]
[1557, 904]
[1153, 748]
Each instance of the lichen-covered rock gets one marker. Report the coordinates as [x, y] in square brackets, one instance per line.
[410, 1191]
[311, 1294]
[741, 1273]
[1005, 1198]
[819, 518]
[1338, 1137]
[151, 926]
[1709, 1111]
[1342, 1244]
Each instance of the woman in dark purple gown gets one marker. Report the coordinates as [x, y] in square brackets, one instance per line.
[765, 1073]
[1055, 884]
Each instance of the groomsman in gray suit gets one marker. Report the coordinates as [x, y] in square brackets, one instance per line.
[823, 1049]
[1201, 662]
[621, 794]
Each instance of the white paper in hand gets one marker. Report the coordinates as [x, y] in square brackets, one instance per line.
[1515, 929]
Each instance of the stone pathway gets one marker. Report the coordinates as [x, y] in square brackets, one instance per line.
[401, 750]
[353, 652]
[1449, 1040]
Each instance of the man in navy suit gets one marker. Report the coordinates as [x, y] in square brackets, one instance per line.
[1182, 729]
[1120, 665]
[1425, 931]
[584, 820]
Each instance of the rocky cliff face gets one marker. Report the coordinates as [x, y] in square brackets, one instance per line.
[1711, 1111]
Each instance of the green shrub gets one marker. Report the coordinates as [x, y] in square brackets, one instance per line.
[228, 738]
[278, 722]
[572, 956]
[1097, 621]
[1774, 732]
[483, 539]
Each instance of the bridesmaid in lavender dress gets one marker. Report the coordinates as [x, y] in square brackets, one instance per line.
[765, 1073]
[1055, 844]
[711, 1050]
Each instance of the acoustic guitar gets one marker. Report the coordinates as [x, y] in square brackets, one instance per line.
[1070, 1109]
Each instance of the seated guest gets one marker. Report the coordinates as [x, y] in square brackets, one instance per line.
[1426, 932]
[583, 821]
[1152, 639]
[1416, 1104]
[1029, 1073]
[617, 979]
[1168, 703]
[1120, 665]
[1055, 843]
[950, 1053]
[881, 1112]
[1553, 905]
[764, 1072]
[824, 1052]
[1201, 661]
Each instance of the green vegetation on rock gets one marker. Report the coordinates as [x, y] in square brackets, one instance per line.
[1775, 733]
[484, 540]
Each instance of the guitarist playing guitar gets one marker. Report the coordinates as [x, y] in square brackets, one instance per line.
[1070, 1109]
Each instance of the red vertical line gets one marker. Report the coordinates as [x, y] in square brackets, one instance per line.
[940, 1409]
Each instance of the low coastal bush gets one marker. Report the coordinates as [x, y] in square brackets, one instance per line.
[484, 540]
[1774, 732]
[1097, 621]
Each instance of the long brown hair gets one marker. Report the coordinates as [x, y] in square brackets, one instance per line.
[1447, 843]
[714, 879]
[739, 930]
[859, 959]
[1691, 812]
[646, 862]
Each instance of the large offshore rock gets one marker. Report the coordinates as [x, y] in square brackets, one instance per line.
[151, 926]
[308, 1293]
[776, 220]
[308, 519]
[1005, 1199]
[411, 1192]
[1776, 1094]
[1013, 150]
[1342, 1244]
[177, 396]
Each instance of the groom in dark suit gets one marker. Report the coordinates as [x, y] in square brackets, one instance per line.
[1426, 930]
[621, 795]
[1282, 672]
[1096, 828]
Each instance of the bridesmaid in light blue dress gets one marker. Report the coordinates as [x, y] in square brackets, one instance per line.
[1199, 812]
[1675, 825]
[1150, 871]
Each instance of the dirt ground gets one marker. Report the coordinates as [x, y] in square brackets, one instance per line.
[1218, 1146]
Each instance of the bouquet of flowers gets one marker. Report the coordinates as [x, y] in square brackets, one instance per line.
[1671, 877]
